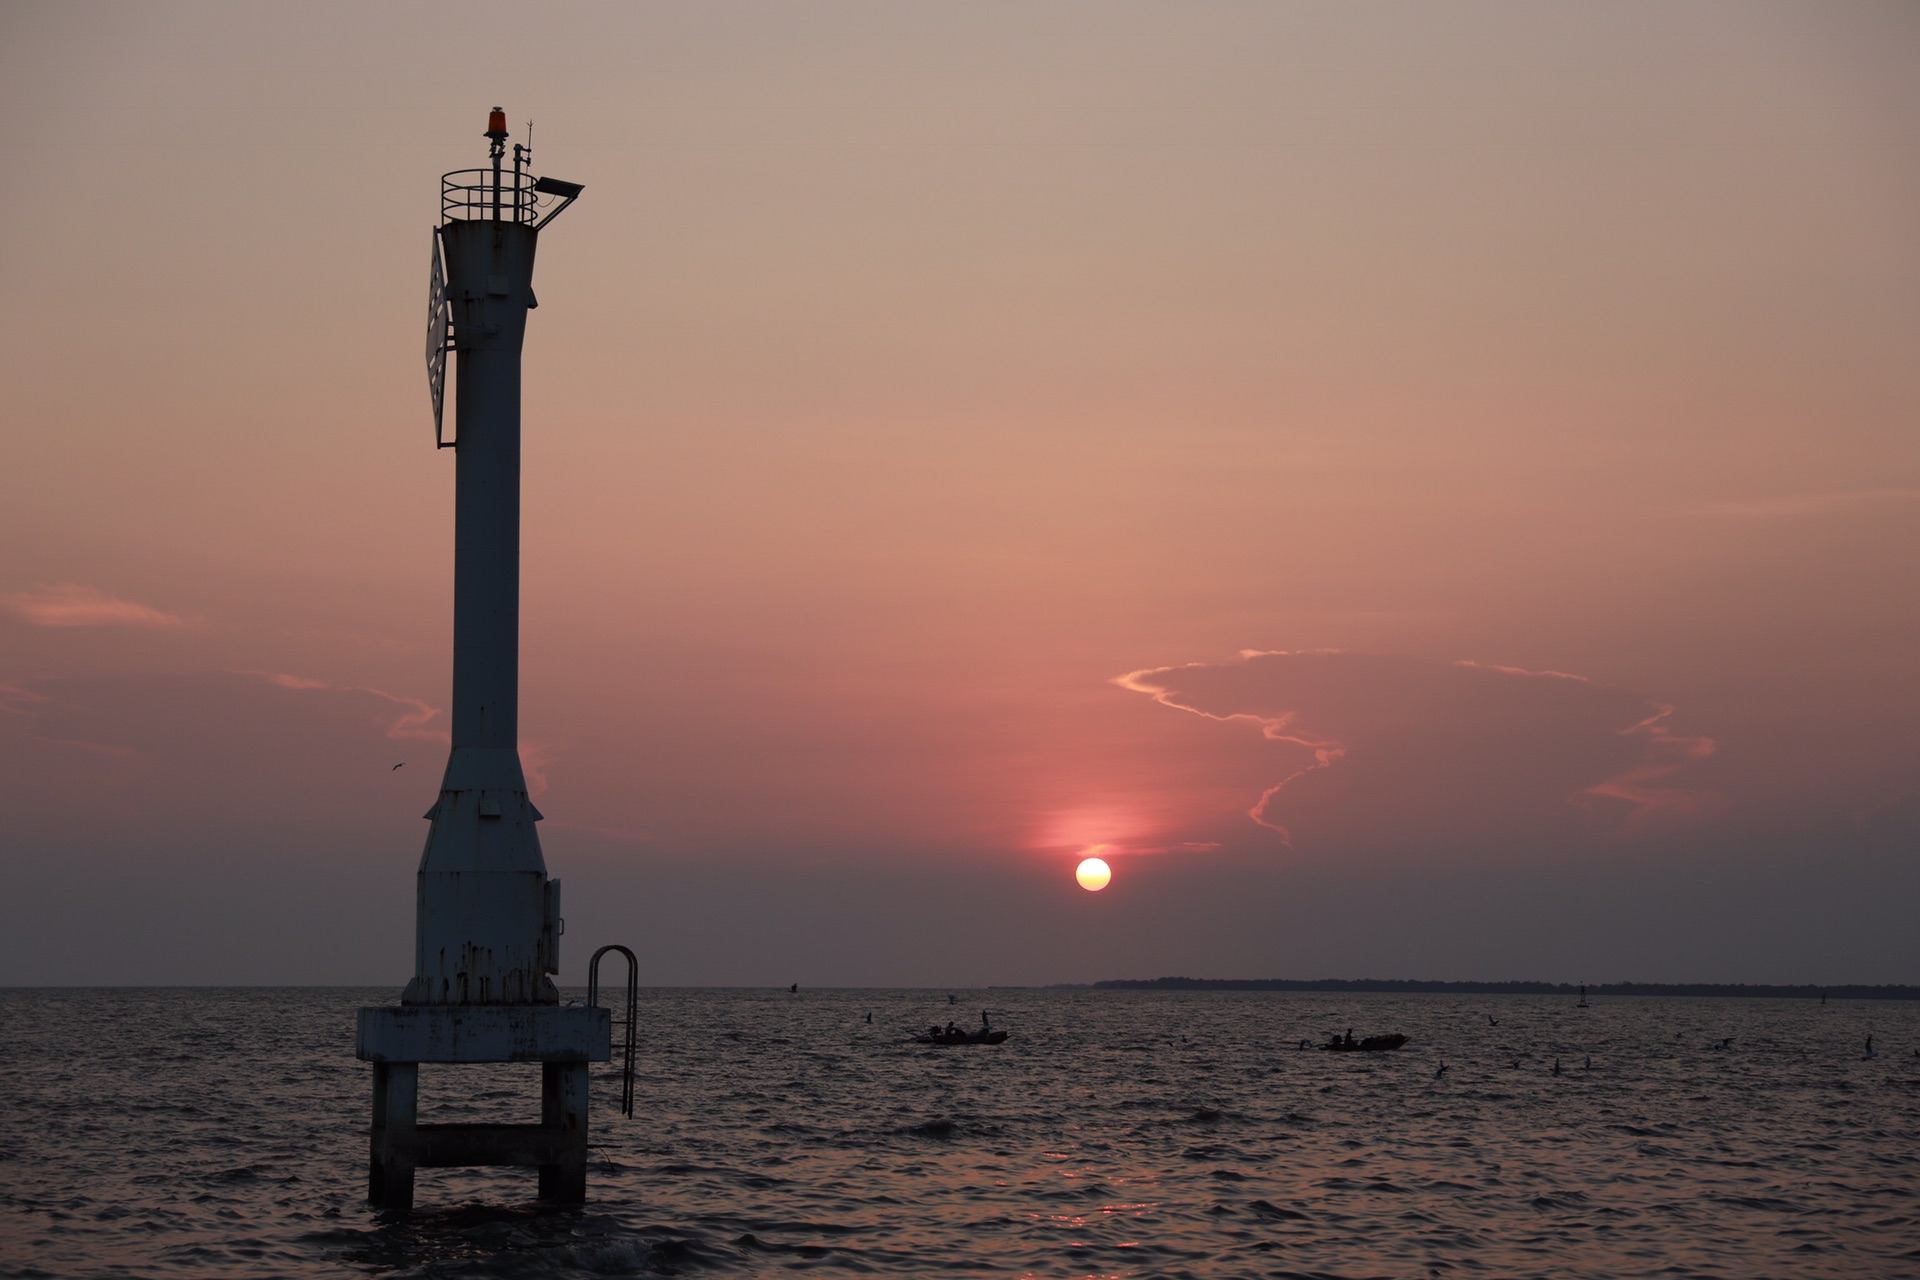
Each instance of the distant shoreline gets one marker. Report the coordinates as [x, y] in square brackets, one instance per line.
[1850, 991]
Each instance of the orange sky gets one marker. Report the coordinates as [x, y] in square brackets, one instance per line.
[1432, 487]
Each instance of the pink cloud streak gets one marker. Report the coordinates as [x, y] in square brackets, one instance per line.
[1652, 805]
[409, 726]
[1273, 728]
[1432, 751]
[73, 605]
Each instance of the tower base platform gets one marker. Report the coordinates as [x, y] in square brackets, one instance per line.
[396, 1039]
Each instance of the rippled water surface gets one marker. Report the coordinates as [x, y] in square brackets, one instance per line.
[215, 1133]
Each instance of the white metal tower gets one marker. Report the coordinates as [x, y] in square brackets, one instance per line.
[488, 915]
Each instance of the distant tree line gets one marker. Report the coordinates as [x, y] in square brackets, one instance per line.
[1851, 991]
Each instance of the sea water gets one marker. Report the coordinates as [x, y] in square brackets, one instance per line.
[213, 1133]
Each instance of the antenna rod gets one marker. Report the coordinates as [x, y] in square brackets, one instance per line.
[524, 153]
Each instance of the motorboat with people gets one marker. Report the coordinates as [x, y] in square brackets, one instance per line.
[941, 1035]
[951, 1034]
[1368, 1044]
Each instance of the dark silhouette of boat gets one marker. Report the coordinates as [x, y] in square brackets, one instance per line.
[956, 1035]
[1371, 1044]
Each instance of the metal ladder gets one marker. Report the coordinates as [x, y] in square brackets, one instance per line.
[632, 1022]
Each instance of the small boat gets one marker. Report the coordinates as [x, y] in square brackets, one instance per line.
[1372, 1044]
[937, 1035]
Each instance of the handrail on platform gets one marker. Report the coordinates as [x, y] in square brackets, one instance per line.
[633, 1013]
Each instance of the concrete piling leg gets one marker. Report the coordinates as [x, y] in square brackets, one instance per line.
[563, 1110]
[396, 1103]
[395, 1041]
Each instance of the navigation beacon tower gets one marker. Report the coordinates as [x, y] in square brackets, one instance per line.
[489, 917]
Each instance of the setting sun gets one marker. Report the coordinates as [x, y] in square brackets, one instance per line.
[1093, 874]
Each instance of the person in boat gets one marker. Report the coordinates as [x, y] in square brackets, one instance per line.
[1349, 1037]
[952, 1030]
[984, 1024]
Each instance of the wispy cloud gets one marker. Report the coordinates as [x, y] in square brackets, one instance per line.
[1394, 752]
[1124, 850]
[1667, 753]
[534, 759]
[410, 724]
[1788, 506]
[292, 682]
[31, 706]
[1275, 728]
[17, 701]
[72, 605]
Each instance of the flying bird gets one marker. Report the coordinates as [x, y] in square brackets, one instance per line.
[1492, 1021]
[401, 765]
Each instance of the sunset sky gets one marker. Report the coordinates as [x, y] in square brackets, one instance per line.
[1422, 490]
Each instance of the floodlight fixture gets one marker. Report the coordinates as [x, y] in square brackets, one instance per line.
[567, 191]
